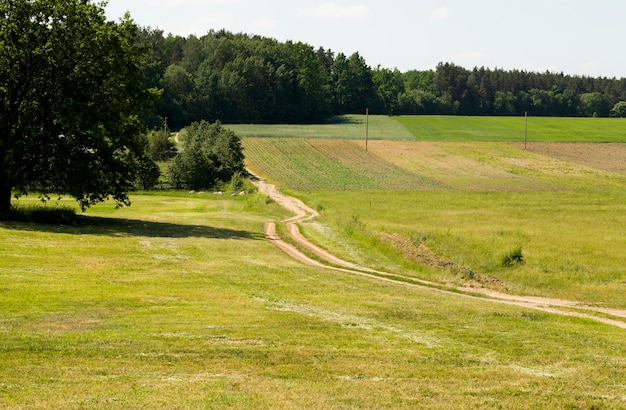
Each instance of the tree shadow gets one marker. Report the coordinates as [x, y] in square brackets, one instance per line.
[93, 225]
[341, 119]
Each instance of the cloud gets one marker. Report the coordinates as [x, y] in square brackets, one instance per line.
[591, 66]
[534, 66]
[440, 14]
[334, 11]
[470, 56]
[265, 22]
[202, 25]
[186, 3]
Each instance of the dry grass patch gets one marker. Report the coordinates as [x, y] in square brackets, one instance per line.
[494, 166]
[609, 157]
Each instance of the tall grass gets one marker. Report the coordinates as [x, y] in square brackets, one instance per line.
[572, 242]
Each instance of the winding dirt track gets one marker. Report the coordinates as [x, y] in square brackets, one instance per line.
[614, 317]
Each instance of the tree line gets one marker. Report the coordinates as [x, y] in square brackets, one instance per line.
[77, 91]
[249, 78]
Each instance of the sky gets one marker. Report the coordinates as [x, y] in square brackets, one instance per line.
[574, 37]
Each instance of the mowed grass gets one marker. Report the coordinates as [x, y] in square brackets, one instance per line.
[179, 302]
[511, 129]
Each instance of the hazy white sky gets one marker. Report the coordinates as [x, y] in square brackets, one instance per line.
[571, 36]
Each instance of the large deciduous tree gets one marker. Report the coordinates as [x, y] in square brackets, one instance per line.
[72, 100]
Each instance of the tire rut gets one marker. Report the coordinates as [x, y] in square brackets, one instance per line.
[326, 260]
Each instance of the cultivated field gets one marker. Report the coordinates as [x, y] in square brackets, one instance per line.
[510, 129]
[179, 301]
[343, 127]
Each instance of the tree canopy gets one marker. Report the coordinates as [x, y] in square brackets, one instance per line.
[72, 101]
[213, 154]
[244, 78]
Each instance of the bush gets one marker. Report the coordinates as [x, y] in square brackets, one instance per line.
[160, 147]
[212, 155]
[41, 214]
[514, 257]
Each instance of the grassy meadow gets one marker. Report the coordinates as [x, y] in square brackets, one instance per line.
[470, 201]
[511, 129]
[180, 302]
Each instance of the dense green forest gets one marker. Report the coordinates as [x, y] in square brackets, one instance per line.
[254, 79]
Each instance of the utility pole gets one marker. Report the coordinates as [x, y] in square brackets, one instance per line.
[164, 125]
[367, 126]
[525, 128]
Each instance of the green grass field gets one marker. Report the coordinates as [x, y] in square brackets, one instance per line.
[511, 129]
[449, 128]
[561, 203]
[180, 302]
[342, 127]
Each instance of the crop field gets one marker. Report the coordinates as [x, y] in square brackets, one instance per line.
[511, 129]
[436, 128]
[609, 157]
[305, 164]
[343, 127]
[325, 164]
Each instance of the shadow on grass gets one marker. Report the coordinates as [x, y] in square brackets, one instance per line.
[93, 225]
[342, 119]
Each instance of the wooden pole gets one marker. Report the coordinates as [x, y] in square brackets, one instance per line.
[367, 126]
[525, 128]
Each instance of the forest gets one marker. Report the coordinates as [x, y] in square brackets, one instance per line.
[241, 78]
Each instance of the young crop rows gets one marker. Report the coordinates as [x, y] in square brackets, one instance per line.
[326, 164]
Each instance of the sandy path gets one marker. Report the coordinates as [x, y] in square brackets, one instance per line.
[303, 213]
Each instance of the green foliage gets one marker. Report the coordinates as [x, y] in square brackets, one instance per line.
[160, 146]
[253, 79]
[72, 99]
[619, 110]
[212, 155]
[236, 182]
[148, 174]
[513, 258]
[59, 215]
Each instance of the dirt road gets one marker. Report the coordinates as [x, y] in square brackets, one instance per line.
[326, 260]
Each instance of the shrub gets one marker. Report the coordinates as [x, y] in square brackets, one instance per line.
[212, 155]
[514, 257]
[41, 214]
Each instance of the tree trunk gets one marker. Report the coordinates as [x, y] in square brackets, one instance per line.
[5, 200]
